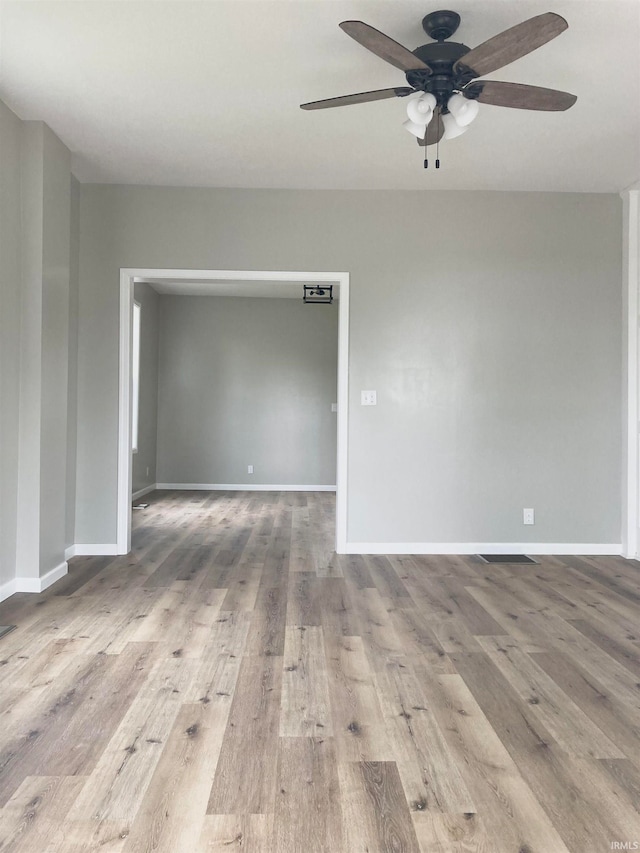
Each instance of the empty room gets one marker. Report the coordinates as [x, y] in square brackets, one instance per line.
[319, 426]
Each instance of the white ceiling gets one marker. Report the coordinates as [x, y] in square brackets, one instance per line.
[239, 288]
[208, 94]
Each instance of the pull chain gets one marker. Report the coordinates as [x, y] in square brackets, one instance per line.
[438, 143]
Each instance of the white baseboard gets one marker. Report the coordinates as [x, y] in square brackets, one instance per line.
[108, 550]
[242, 487]
[7, 589]
[142, 492]
[42, 583]
[560, 548]
[33, 584]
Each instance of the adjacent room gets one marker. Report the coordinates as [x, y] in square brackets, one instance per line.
[319, 444]
[236, 387]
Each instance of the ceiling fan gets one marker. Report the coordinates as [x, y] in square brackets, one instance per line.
[445, 73]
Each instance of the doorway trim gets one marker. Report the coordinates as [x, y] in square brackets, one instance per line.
[128, 277]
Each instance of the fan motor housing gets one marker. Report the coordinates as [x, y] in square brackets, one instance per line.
[441, 55]
[441, 81]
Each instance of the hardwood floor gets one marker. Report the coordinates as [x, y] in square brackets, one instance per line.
[233, 684]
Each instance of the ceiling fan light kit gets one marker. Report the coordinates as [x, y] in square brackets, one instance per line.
[445, 74]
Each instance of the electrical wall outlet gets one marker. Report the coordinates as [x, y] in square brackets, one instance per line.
[368, 398]
[528, 516]
[249, 469]
[334, 407]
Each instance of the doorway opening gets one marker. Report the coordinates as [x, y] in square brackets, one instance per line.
[231, 279]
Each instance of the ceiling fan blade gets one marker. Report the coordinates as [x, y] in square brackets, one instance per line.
[511, 44]
[520, 96]
[360, 98]
[435, 129]
[383, 46]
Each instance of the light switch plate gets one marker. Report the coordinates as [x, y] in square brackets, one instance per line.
[334, 407]
[368, 398]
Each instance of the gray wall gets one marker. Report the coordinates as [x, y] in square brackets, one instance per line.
[44, 350]
[37, 254]
[145, 459]
[56, 258]
[72, 427]
[10, 137]
[488, 323]
[247, 381]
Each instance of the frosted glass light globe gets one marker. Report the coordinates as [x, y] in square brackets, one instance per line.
[451, 126]
[418, 130]
[420, 110]
[462, 109]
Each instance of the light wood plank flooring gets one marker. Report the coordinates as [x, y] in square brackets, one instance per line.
[232, 684]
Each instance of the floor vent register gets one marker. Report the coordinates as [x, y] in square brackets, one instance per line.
[506, 558]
